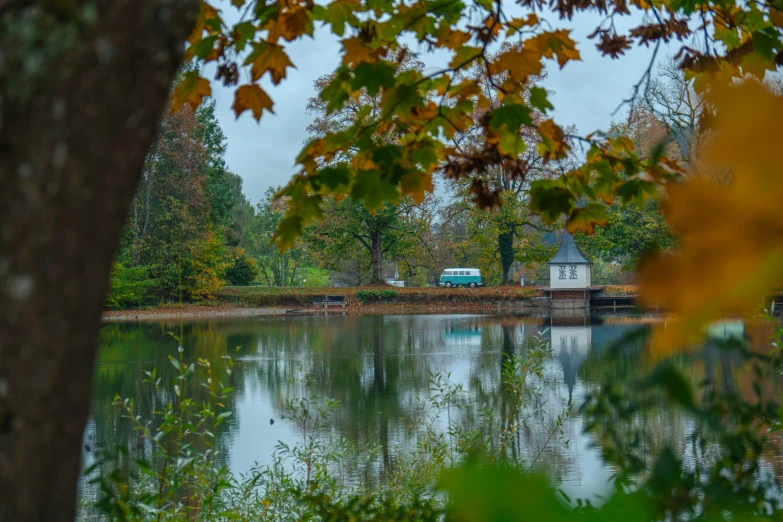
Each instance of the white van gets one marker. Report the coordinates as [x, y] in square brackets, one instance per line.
[461, 277]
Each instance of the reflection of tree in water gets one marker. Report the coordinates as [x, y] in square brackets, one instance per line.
[379, 369]
[504, 338]
[127, 352]
[716, 367]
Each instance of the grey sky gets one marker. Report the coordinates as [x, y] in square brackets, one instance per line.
[585, 95]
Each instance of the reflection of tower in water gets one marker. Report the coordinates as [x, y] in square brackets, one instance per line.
[571, 345]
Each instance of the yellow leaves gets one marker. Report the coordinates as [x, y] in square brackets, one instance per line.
[417, 185]
[556, 43]
[271, 58]
[426, 113]
[776, 17]
[553, 143]
[520, 64]
[251, 97]
[208, 19]
[451, 38]
[731, 232]
[524, 61]
[191, 90]
[358, 52]
[518, 24]
[290, 22]
[293, 23]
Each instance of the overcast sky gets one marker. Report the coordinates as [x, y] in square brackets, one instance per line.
[585, 94]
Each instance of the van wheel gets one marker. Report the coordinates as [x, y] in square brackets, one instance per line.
[472, 285]
[448, 284]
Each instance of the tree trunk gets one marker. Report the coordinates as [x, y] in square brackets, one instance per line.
[72, 140]
[506, 249]
[376, 254]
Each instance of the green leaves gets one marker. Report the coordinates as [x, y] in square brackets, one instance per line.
[490, 493]
[586, 218]
[665, 376]
[539, 100]
[550, 199]
[373, 76]
[485, 492]
[512, 116]
[373, 189]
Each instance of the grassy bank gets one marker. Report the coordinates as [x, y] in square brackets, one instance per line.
[369, 296]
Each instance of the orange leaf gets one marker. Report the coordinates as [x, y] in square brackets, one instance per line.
[554, 43]
[191, 90]
[553, 145]
[520, 64]
[272, 59]
[293, 23]
[451, 38]
[730, 230]
[357, 52]
[417, 185]
[252, 97]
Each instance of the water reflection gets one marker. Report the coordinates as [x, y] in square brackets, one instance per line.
[380, 369]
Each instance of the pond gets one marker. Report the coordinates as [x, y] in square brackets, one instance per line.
[382, 369]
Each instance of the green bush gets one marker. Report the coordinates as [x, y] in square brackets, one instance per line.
[129, 286]
[365, 296]
[243, 272]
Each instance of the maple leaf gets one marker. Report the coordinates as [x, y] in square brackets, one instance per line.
[730, 251]
[553, 144]
[373, 189]
[357, 52]
[555, 43]
[191, 90]
[451, 38]
[268, 57]
[520, 64]
[293, 23]
[251, 97]
[586, 218]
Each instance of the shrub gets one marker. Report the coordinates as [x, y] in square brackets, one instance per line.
[243, 272]
[129, 286]
[365, 296]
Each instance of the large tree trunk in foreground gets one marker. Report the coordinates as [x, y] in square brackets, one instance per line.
[73, 136]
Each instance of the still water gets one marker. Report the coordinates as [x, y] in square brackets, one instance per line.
[380, 369]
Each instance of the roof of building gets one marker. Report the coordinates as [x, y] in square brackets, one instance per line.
[568, 252]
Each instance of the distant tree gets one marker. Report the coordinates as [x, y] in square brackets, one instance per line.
[276, 268]
[394, 232]
[244, 270]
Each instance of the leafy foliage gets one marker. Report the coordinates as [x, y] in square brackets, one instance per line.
[746, 40]
[129, 286]
[243, 272]
[185, 229]
[365, 296]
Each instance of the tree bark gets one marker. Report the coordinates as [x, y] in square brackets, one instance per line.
[506, 249]
[376, 254]
[72, 144]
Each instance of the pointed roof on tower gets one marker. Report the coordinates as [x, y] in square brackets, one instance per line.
[568, 254]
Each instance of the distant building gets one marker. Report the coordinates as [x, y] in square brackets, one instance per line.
[569, 269]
